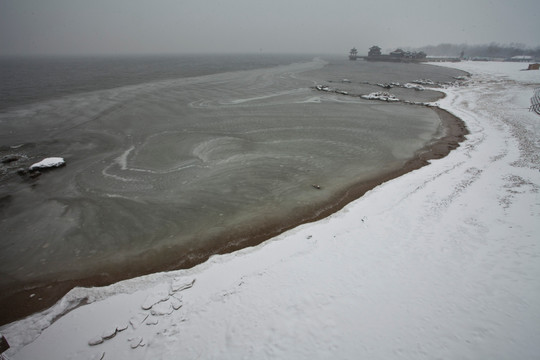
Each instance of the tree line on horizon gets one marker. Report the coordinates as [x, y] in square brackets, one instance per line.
[492, 50]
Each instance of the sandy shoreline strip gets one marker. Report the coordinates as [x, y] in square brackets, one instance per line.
[23, 302]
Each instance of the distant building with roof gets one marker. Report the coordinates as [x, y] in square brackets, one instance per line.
[398, 55]
[353, 54]
[374, 51]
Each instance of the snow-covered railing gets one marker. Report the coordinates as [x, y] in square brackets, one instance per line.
[535, 101]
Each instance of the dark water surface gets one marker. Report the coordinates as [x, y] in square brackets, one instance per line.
[172, 159]
[27, 80]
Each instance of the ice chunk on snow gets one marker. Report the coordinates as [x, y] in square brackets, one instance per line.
[180, 284]
[138, 319]
[100, 356]
[136, 342]
[152, 321]
[154, 299]
[109, 333]
[48, 163]
[95, 341]
[175, 302]
[163, 308]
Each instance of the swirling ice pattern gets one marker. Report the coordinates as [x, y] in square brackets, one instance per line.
[159, 170]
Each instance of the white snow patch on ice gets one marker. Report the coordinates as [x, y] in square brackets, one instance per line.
[122, 160]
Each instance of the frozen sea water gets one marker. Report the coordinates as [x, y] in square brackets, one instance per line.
[163, 173]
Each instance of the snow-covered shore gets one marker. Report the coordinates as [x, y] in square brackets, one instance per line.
[443, 262]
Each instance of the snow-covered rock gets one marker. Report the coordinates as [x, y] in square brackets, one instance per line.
[424, 82]
[413, 86]
[47, 163]
[323, 88]
[380, 95]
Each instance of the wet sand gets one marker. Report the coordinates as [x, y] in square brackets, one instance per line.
[37, 297]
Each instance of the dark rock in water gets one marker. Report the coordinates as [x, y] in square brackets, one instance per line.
[22, 172]
[10, 158]
[34, 174]
[28, 174]
[4, 345]
[5, 200]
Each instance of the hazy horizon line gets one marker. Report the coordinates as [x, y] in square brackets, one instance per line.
[520, 46]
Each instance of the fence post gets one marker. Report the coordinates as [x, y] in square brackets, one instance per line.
[3, 346]
[535, 101]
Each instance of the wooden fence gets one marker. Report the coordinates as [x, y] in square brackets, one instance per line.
[535, 101]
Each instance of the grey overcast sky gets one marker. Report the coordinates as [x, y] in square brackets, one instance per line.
[250, 26]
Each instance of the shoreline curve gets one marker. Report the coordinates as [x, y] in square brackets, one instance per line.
[23, 302]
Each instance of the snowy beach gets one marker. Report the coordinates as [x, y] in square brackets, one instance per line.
[442, 262]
